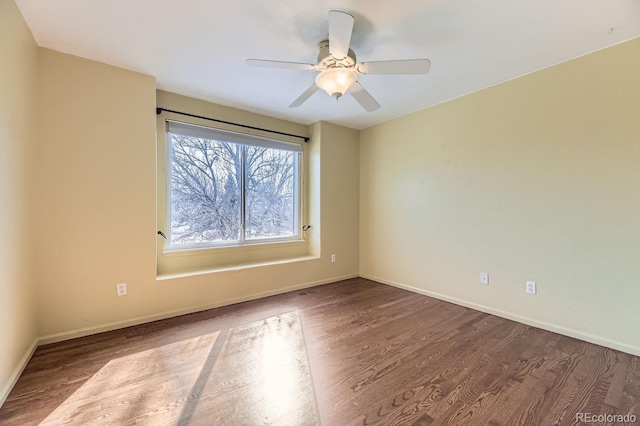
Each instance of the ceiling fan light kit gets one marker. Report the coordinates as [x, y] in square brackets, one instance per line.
[336, 81]
[338, 67]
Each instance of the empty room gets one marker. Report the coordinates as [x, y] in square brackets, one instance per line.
[329, 212]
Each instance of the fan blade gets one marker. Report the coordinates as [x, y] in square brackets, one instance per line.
[410, 66]
[279, 64]
[306, 95]
[340, 29]
[363, 97]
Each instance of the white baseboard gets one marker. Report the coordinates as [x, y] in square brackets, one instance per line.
[577, 334]
[67, 335]
[6, 389]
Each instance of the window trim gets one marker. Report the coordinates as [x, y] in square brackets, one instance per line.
[264, 141]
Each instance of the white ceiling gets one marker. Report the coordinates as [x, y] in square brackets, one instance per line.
[198, 47]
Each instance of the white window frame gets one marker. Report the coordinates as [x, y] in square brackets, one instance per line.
[245, 140]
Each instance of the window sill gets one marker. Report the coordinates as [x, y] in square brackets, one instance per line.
[203, 251]
[238, 267]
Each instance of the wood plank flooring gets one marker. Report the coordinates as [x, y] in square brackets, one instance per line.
[376, 355]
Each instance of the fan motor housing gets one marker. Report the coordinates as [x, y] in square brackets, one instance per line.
[326, 61]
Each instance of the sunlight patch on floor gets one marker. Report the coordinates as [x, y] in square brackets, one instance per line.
[157, 382]
[257, 373]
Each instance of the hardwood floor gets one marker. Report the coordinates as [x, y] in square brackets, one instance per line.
[376, 355]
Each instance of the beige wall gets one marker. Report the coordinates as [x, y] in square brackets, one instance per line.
[18, 118]
[339, 197]
[95, 191]
[97, 207]
[535, 179]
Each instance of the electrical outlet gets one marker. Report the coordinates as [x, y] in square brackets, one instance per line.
[484, 278]
[333, 258]
[531, 287]
[122, 289]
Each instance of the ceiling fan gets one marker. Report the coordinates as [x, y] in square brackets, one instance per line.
[338, 67]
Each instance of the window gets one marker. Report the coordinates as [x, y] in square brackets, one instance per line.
[228, 188]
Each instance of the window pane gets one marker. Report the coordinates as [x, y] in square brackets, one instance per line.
[271, 193]
[205, 190]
